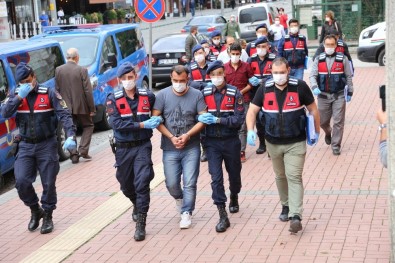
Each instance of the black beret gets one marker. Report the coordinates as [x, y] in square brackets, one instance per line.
[214, 65]
[261, 26]
[215, 33]
[22, 71]
[126, 67]
[261, 40]
[196, 48]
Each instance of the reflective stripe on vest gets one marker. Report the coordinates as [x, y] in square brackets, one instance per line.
[197, 75]
[227, 103]
[329, 80]
[143, 107]
[267, 70]
[42, 104]
[252, 50]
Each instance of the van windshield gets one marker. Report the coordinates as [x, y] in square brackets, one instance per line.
[252, 15]
[87, 47]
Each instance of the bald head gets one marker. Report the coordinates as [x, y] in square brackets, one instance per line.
[72, 54]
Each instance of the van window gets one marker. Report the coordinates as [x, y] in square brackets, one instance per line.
[251, 15]
[108, 48]
[3, 83]
[128, 42]
[220, 20]
[44, 61]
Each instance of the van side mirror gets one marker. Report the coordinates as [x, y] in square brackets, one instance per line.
[111, 61]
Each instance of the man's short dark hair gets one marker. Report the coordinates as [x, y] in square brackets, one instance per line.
[293, 20]
[331, 36]
[235, 46]
[193, 29]
[179, 69]
[278, 61]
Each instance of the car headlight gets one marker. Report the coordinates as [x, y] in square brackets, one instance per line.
[369, 34]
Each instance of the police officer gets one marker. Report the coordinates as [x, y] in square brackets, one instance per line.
[331, 81]
[206, 46]
[261, 64]
[216, 46]
[261, 31]
[225, 106]
[129, 110]
[37, 110]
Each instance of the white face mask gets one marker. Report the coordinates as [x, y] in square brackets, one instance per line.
[280, 79]
[128, 84]
[179, 87]
[207, 50]
[294, 30]
[217, 81]
[258, 35]
[235, 59]
[261, 52]
[277, 22]
[216, 42]
[199, 58]
[329, 50]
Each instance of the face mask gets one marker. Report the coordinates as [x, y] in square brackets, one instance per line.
[258, 35]
[179, 87]
[327, 19]
[261, 52]
[280, 79]
[217, 81]
[216, 42]
[329, 50]
[294, 30]
[232, 20]
[207, 50]
[199, 58]
[128, 84]
[235, 59]
[277, 22]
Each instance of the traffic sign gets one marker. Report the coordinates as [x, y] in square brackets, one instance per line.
[149, 10]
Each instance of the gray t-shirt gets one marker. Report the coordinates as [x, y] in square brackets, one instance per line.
[179, 114]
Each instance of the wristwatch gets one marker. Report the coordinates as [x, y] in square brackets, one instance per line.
[382, 126]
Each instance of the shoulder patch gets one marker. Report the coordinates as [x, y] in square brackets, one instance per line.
[293, 81]
[240, 101]
[252, 44]
[231, 91]
[207, 91]
[322, 56]
[302, 37]
[272, 56]
[269, 83]
[193, 65]
[340, 43]
[42, 90]
[142, 92]
[339, 57]
[57, 94]
[118, 94]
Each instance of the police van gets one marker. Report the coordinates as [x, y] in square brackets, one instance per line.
[43, 56]
[102, 49]
[371, 47]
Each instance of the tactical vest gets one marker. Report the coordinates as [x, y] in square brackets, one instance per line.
[288, 121]
[40, 122]
[252, 49]
[226, 109]
[267, 70]
[143, 113]
[340, 46]
[215, 50]
[295, 55]
[196, 73]
[332, 81]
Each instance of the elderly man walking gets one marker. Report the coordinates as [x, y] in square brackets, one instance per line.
[72, 82]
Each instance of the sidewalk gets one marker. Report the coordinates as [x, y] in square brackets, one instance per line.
[345, 208]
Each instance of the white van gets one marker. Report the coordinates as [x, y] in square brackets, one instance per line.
[251, 15]
[371, 47]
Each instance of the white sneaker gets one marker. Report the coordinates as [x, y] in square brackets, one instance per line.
[179, 205]
[185, 220]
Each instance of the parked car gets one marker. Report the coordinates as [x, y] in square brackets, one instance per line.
[43, 56]
[371, 47]
[251, 15]
[205, 24]
[167, 51]
[102, 49]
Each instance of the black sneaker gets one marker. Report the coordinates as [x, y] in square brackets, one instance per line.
[295, 225]
[328, 139]
[336, 151]
[284, 214]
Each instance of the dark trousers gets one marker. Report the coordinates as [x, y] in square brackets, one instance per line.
[227, 151]
[260, 128]
[85, 120]
[134, 173]
[43, 157]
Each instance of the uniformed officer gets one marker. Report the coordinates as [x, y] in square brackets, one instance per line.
[206, 46]
[216, 46]
[261, 31]
[129, 110]
[331, 81]
[37, 110]
[261, 64]
[224, 118]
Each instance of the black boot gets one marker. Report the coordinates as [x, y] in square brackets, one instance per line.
[139, 234]
[234, 203]
[37, 214]
[134, 213]
[47, 226]
[262, 146]
[203, 158]
[223, 223]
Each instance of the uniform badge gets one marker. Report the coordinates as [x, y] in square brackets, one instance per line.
[63, 104]
[240, 101]
[291, 98]
[42, 100]
[229, 99]
[145, 101]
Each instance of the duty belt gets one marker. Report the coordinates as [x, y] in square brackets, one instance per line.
[130, 144]
[330, 95]
[35, 140]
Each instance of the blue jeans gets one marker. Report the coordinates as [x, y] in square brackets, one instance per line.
[297, 73]
[187, 163]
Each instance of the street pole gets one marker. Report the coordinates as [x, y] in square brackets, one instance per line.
[150, 56]
[222, 7]
[293, 9]
[390, 98]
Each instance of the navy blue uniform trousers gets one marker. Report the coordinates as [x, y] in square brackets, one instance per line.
[134, 174]
[225, 150]
[44, 157]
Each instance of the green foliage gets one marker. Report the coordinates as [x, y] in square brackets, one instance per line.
[87, 16]
[100, 17]
[112, 14]
[121, 13]
[94, 18]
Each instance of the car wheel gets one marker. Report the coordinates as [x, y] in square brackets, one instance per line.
[104, 125]
[61, 135]
[382, 58]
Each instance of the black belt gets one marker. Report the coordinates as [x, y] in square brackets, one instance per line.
[35, 140]
[330, 95]
[130, 144]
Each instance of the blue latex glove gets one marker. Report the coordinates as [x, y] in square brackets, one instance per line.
[24, 89]
[202, 117]
[254, 81]
[348, 98]
[251, 137]
[314, 142]
[151, 123]
[69, 144]
[158, 117]
[207, 118]
[316, 91]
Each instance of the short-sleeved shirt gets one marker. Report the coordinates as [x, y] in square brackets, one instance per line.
[179, 114]
[239, 77]
[306, 98]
